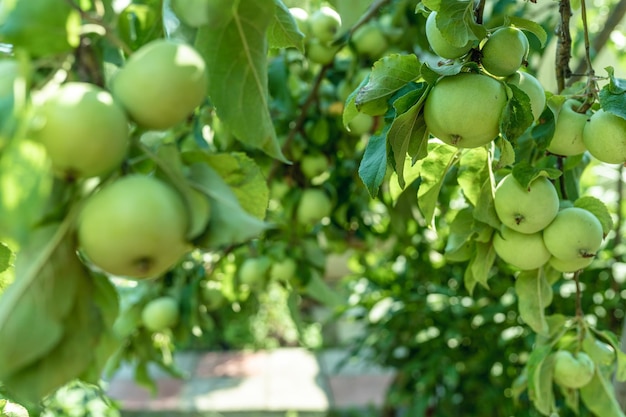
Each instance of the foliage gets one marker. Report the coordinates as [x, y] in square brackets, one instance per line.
[305, 143]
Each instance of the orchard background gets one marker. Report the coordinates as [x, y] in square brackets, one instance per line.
[267, 172]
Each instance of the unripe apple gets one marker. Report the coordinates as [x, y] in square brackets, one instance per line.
[526, 210]
[439, 44]
[464, 110]
[522, 250]
[253, 271]
[160, 314]
[575, 233]
[369, 40]
[212, 296]
[283, 270]
[325, 24]
[533, 89]
[161, 84]
[604, 136]
[572, 371]
[320, 53]
[313, 165]
[313, 206]
[84, 131]
[134, 227]
[570, 265]
[361, 124]
[505, 51]
[568, 131]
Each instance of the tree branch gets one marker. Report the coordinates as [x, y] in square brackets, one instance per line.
[564, 45]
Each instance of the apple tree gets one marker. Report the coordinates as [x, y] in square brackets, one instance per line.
[164, 164]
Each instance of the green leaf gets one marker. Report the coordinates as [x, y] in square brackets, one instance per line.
[516, 116]
[485, 210]
[229, 223]
[236, 56]
[373, 166]
[530, 26]
[534, 295]
[611, 339]
[284, 32]
[613, 95]
[473, 172]
[5, 257]
[525, 173]
[482, 262]
[139, 24]
[319, 290]
[43, 27]
[245, 179]
[389, 74]
[455, 22]
[196, 13]
[458, 245]
[351, 10]
[599, 397]
[507, 153]
[598, 209]
[433, 172]
[350, 110]
[26, 185]
[540, 368]
[406, 129]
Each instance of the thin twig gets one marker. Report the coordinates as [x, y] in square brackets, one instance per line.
[479, 11]
[591, 82]
[579, 306]
[564, 45]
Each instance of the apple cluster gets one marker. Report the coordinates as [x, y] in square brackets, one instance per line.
[464, 110]
[134, 225]
[536, 230]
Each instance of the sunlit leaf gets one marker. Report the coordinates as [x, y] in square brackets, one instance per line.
[534, 295]
[284, 32]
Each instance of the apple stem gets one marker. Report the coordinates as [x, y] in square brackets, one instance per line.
[579, 307]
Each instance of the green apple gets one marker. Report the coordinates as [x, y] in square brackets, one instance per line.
[313, 206]
[570, 265]
[212, 295]
[370, 41]
[575, 233]
[361, 124]
[325, 24]
[505, 51]
[526, 210]
[134, 227]
[253, 271]
[283, 270]
[161, 84]
[568, 131]
[438, 42]
[301, 17]
[533, 89]
[319, 52]
[604, 135]
[522, 250]
[464, 110]
[160, 314]
[313, 165]
[84, 131]
[572, 371]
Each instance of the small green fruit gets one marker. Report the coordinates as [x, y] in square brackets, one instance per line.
[253, 271]
[313, 165]
[575, 233]
[84, 131]
[370, 41]
[505, 51]
[319, 52]
[161, 83]
[568, 131]
[361, 124]
[464, 110]
[572, 371]
[313, 206]
[439, 44]
[522, 250]
[526, 210]
[604, 135]
[134, 227]
[283, 270]
[301, 17]
[570, 265]
[325, 24]
[160, 314]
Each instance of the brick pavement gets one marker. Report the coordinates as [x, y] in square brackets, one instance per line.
[264, 383]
